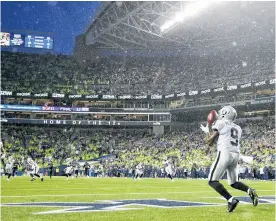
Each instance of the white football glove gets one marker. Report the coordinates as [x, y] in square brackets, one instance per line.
[246, 159]
[204, 129]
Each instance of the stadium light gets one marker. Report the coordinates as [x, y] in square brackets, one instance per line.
[190, 10]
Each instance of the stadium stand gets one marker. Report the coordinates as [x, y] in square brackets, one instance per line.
[131, 147]
[173, 64]
[120, 75]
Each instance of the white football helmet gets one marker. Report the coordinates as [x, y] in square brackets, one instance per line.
[29, 160]
[228, 113]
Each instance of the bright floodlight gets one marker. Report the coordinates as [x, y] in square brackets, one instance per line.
[179, 17]
[190, 10]
[195, 7]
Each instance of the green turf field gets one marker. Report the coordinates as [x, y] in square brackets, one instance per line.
[103, 190]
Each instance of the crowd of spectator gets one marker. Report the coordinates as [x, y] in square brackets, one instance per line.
[134, 75]
[186, 148]
[141, 76]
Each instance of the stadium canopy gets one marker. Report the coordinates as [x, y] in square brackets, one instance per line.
[180, 24]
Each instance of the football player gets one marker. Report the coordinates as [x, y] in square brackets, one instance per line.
[139, 171]
[169, 169]
[76, 168]
[50, 167]
[3, 154]
[86, 167]
[34, 169]
[15, 167]
[9, 166]
[69, 168]
[228, 136]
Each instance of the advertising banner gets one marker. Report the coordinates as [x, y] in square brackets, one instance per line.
[83, 122]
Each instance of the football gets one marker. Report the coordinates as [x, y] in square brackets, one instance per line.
[212, 116]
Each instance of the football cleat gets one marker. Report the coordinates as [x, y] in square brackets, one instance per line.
[232, 205]
[254, 197]
[32, 179]
[42, 179]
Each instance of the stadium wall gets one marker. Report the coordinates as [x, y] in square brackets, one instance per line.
[158, 130]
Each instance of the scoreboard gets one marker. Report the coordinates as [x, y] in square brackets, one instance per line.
[33, 41]
[27, 41]
[17, 39]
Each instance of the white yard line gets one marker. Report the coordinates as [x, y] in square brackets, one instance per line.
[11, 190]
[117, 194]
[94, 188]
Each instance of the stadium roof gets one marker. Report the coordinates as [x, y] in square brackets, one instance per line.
[159, 24]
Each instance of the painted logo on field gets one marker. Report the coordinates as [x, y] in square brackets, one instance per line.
[118, 205]
[110, 205]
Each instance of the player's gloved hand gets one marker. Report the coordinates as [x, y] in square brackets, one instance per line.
[204, 129]
[246, 159]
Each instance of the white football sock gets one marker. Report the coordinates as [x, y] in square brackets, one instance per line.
[230, 200]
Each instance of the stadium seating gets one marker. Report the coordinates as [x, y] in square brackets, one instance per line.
[131, 147]
[133, 75]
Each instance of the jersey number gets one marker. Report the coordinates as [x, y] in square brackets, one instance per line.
[234, 135]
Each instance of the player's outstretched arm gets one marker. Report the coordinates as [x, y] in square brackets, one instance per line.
[210, 139]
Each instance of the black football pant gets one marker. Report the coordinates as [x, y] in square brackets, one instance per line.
[86, 171]
[51, 172]
[14, 171]
[3, 165]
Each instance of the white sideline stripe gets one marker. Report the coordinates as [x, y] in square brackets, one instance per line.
[107, 201]
[101, 194]
[116, 194]
[61, 189]
[213, 197]
[100, 188]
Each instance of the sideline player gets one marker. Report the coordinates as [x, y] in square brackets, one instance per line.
[69, 168]
[50, 167]
[228, 146]
[9, 166]
[139, 171]
[76, 168]
[34, 169]
[15, 166]
[86, 166]
[3, 154]
[168, 169]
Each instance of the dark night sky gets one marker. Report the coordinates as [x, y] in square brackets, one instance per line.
[65, 20]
